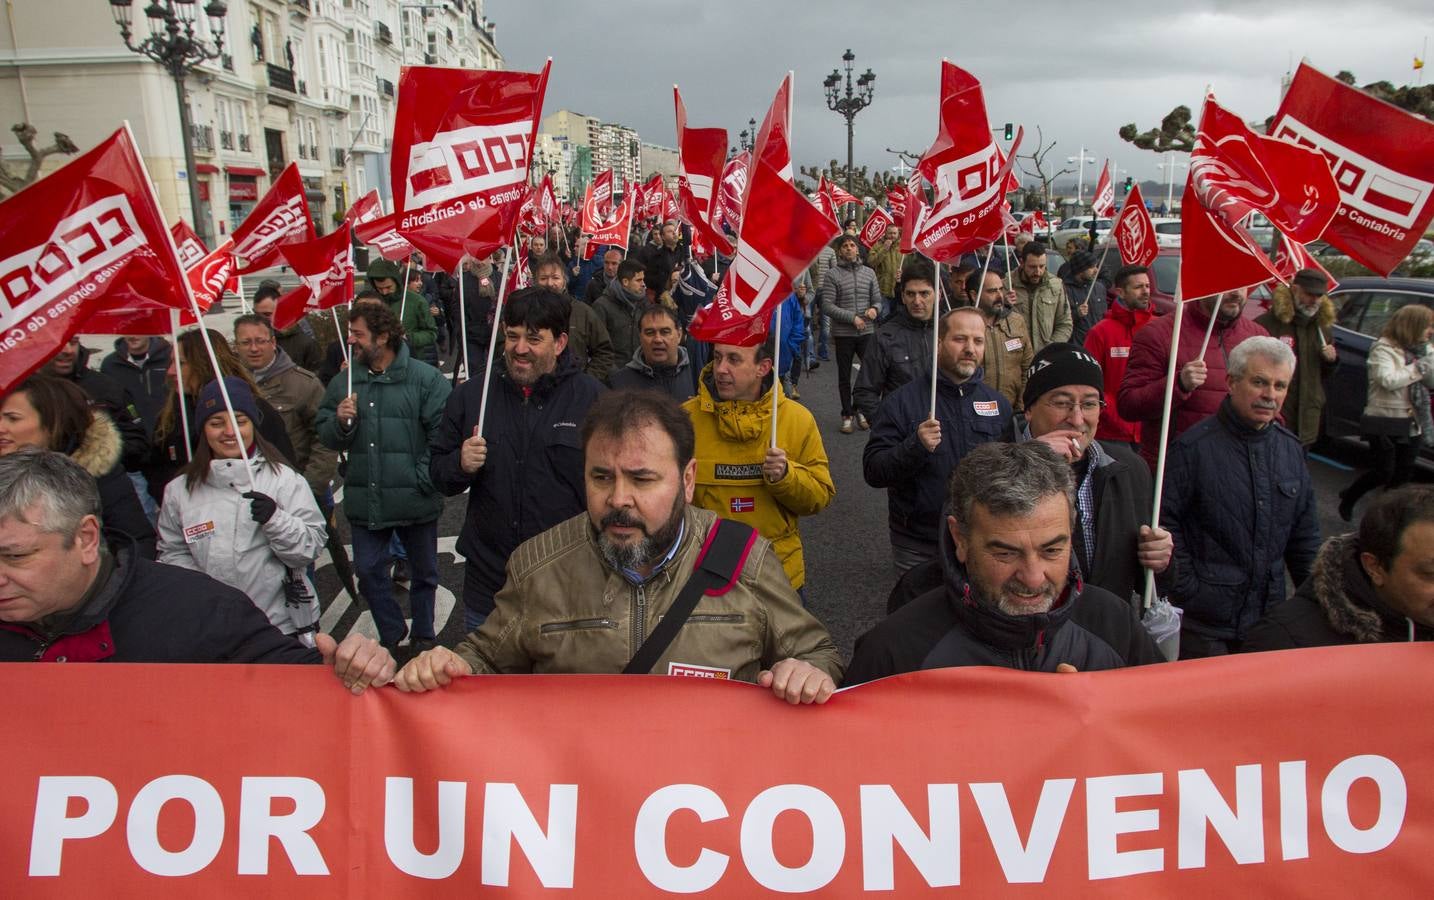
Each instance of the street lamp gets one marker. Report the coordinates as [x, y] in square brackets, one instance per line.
[748, 136]
[174, 44]
[850, 103]
[1080, 178]
[1169, 167]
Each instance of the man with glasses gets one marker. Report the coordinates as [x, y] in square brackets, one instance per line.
[1114, 543]
[294, 391]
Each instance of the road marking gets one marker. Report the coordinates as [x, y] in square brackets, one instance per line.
[1331, 463]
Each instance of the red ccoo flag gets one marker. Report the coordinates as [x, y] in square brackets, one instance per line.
[602, 191]
[381, 235]
[964, 165]
[1134, 232]
[280, 217]
[772, 250]
[1291, 257]
[700, 175]
[1103, 203]
[190, 248]
[462, 143]
[875, 227]
[1381, 160]
[731, 191]
[1234, 172]
[326, 273]
[839, 196]
[85, 239]
[773, 143]
[365, 209]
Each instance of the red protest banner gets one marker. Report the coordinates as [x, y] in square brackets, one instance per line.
[1103, 203]
[1380, 158]
[1133, 783]
[87, 238]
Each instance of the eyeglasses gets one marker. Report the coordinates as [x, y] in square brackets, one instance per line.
[1066, 406]
[255, 342]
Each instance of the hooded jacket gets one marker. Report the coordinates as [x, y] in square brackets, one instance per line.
[1109, 342]
[533, 476]
[620, 312]
[146, 382]
[1336, 605]
[1047, 312]
[970, 414]
[419, 329]
[295, 394]
[387, 483]
[143, 612]
[210, 529]
[1306, 336]
[949, 627]
[564, 610]
[98, 452]
[1142, 394]
[848, 290]
[1240, 505]
[900, 353]
[732, 440]
[674, 381]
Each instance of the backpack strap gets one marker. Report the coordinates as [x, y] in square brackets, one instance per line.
[720, 561]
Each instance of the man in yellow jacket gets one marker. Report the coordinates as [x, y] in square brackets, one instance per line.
[740, 475]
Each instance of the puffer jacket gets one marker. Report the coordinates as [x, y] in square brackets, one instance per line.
[139, 611]
[563, 610]
[1306, 336]
[970, 414]
[1008, 356]
[533, 476]
[1142, 393]
[1390, 371]
[1336, 605]
[620, 314]
[399, 411]
[210, 529]
[1240, 505]
[732, 440]
[949, 627]
[147, 383]
[900, 353]
[1048, 314]
[674, 381]
[848, 290]
[99, 452]
[296, 393]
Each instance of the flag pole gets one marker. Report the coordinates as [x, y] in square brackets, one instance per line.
[935, 338]
[1006, 246]
[403, 287]
[1210, 329]
[343, 344]
[1170, 376]
[224, 393]
[243, 303]
[776, 366]
[493, 337]
[179, 385]
[463, 322]
[1098, 266]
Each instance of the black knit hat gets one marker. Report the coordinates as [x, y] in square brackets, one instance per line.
[1059, 365]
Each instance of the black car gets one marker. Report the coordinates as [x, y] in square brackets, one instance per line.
[1365, 305]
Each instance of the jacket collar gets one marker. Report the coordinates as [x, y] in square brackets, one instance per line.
[640, 364]
[397, 370]
[1351, 605]
[737, 420]
[1238, 426]
[547, 384]
[1131, 318]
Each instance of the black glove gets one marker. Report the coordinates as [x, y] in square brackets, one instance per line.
[261, 506]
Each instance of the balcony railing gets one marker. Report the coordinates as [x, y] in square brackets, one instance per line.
[280, 78]
[226, 140]
[340, 158]
[202, 138]
[245, 144]
[385, 34]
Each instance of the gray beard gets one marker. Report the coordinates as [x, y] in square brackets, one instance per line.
[645, 551]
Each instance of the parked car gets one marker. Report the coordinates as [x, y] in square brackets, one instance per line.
[1365, 305]
[1167, 232]
[1079, 227]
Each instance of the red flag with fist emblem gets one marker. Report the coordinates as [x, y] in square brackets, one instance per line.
[280, 217]
[85, 239]
[462, 144]
[1134, 231]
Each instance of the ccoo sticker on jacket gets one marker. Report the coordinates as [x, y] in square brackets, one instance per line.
[986, 407]
[195, 533]
[691, 670]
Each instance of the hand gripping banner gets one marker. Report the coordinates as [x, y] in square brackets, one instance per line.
[1291, 774]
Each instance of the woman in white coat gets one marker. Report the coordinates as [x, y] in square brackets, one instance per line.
[258, 539]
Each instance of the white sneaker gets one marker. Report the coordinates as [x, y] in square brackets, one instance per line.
[846, 424]
[861, 422]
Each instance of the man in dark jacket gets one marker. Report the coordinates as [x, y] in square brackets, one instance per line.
[386, 425]
[1114, 544]
[621, 303]
[901, 348]
[1086, 294]
[1240, 504]
[140, 365]
[588, 340]
[73, 364]
[912, 454]
[597, 284]
[1370, 587]
[660, 363]
[298, 340]
[70, 596]
[1011, 585]
[533, 478]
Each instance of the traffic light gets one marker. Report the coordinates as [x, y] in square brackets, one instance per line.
[1010, 131]
[1128, 182]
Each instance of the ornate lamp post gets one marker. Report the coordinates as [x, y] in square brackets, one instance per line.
[850, 102]
[748, 136]
[174, 43]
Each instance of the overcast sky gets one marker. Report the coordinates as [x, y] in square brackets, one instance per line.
[1079, 78]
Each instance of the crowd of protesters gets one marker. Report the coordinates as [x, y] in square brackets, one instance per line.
[632, 505]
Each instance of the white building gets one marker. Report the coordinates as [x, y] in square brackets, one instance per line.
[305, 81]
[659, 160]
[611, 146]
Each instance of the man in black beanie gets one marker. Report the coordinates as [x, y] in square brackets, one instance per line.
[1062, 404]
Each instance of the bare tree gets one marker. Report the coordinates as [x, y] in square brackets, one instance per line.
[1037, 158]
[11, 182]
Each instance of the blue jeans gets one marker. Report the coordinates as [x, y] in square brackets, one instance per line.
[395, 548]
[372, 562]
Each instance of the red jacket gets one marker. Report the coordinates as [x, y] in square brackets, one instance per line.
[1142, 392]
[1109, 342]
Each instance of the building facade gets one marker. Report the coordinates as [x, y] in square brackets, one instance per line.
[313, 82]
[596, 146]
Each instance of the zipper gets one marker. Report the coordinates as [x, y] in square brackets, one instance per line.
[716, 617]
[576, 625]
[639, 618]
